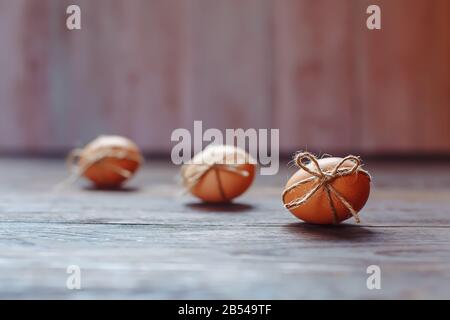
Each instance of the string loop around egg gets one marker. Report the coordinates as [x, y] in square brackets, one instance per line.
[323, 180]
[218, 173]
[190, 179]
[77, 170]
[93, 159]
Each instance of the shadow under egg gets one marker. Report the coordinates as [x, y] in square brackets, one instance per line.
[331, 232]
[230, 207]
[124, 189]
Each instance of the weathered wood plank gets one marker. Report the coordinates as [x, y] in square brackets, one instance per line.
[314, 74]
[292, 261]
[24, 86]
[402, 195]
[403, 77]
[131, 57]
[310, 68]
[121, 74]
[146, 243]
[384, 209]
[229, 64]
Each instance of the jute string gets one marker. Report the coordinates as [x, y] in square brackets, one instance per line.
[192, 173]
[76, 170]
[323, 180]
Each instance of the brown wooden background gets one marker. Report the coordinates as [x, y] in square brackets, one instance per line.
[309, 67]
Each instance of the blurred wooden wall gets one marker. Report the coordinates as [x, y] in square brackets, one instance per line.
[142, 68]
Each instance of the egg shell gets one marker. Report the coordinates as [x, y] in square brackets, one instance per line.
[354, 188]
[219, 185]
[233, 185]
[102, 172]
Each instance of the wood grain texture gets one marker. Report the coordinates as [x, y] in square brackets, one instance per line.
[147, 242]
[229, 58]
[24, 83]
[123, 72]
[314, 74]
[145, 67]
[403, 78]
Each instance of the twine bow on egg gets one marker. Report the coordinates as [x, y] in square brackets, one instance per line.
[323, 179]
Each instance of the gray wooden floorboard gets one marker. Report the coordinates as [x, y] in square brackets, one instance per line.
[149, 242]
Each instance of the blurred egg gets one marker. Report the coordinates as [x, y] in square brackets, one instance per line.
[219, 173]
[109, 161]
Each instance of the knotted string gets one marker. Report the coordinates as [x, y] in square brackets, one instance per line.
[324, 179]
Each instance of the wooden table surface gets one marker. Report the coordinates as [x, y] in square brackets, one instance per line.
[149, 242]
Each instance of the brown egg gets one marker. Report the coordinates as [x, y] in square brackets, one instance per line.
[109, 161]
[219, 173]
[354, 188]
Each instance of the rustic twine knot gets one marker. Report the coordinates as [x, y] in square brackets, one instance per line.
[324, 179]
[193, 171]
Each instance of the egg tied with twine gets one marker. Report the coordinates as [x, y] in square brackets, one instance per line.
[322, 180]
[108, 161]
[231, 173]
